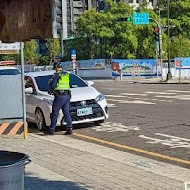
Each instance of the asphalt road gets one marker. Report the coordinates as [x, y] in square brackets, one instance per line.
[151, 120]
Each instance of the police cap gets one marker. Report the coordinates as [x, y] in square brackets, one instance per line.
[59, 65]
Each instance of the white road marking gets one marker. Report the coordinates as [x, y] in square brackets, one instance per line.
[172, 141]
[115, 127]
[116, 96]
[167, 93]
[179, 97]
[178, 91]
[170, 136]
[130, 94]
[130, 102]
[111, 105]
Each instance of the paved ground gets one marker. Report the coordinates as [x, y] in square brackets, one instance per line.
[60, 162]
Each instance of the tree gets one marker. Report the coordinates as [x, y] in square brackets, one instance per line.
[53, 47]
[102, 35]
[180, 47]
[179, 16]
[30, 51]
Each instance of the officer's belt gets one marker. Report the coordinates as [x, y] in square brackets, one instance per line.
[65, 92]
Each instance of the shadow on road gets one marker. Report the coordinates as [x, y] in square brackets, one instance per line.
[32, 128]
[34, 183]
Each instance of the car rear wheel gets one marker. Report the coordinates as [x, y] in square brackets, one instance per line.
[40, 120]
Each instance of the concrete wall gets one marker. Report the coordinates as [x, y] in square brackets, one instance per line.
[103, 73]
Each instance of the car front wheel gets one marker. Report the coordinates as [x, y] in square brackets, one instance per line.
[40, 120]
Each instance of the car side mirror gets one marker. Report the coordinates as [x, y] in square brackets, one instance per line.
[90, 83]
[29, 90]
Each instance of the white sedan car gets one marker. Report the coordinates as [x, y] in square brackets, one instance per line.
[87, 104]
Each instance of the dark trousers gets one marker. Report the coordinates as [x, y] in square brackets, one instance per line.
[60, 102]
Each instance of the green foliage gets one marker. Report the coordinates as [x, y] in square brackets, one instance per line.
[180, 47]
[53, 47]
[179, 16]
[15, 57]
[103, 35]
[44, 60]
[30, 51]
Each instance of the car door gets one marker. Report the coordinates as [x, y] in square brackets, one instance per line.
[31, 99]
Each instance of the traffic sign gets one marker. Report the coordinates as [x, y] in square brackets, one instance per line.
[73, 51]
[140, 18]
[73, 56]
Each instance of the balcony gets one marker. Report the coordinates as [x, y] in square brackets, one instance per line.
[77, 4]
[58, 19]
[58, 11]
[77, 11]
[58, 3]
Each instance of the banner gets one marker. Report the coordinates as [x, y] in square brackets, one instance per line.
[135, 67]
[22, 20]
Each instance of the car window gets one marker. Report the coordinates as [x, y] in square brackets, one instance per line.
[42, 82]
[9, 72]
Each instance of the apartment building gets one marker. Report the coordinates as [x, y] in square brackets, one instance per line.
[67, 12]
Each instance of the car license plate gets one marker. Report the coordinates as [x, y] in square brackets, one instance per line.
[84, 111]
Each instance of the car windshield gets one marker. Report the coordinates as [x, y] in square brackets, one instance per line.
[42, 82]
[9, 72]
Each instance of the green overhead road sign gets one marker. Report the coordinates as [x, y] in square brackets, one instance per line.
[140, 18]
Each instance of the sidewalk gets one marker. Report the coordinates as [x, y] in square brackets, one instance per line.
[60, 162]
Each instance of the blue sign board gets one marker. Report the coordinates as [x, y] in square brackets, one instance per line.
[140, 18]
[73, 51]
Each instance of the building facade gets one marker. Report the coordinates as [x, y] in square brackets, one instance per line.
[67, 12]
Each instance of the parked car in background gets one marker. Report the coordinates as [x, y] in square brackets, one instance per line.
[6, 70]
[87, 104]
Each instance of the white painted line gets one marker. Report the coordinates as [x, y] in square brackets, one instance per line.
[170, 136]
[169, 93]
[130, 94]
[114, 127]
[116, 96]
[178, 91]
[130, 102]
[173, 142]
[111, 105]
[179, 97]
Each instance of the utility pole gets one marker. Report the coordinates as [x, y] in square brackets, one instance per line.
[169, 74]
[160, 42]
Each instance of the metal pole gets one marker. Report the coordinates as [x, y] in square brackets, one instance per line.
[169, 75]
[157, 58]
[62, 53]
[23, 90]
[160, 43]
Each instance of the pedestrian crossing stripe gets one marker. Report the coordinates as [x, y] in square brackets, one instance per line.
[11, 129]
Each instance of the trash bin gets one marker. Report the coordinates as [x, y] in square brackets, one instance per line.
[12, 170]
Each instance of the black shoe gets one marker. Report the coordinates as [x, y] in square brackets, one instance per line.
[48, 132]
[69, 132]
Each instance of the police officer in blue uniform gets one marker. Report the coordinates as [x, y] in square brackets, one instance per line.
[60, 88]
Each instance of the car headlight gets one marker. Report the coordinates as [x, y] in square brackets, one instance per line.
[100, 98]
[49, 102]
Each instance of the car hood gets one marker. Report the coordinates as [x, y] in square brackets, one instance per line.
[78, 94]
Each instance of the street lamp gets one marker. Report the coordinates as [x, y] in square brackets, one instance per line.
[169, 74]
